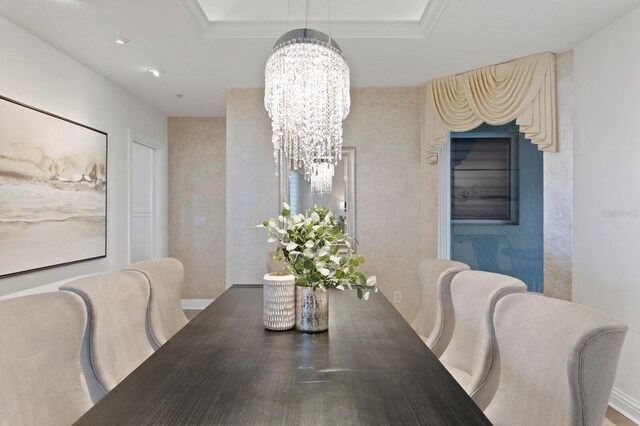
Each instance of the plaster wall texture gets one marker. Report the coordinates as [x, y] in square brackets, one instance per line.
[197, 187]
[558, 189]
[606, 204]
[36, 74]
[394, 233]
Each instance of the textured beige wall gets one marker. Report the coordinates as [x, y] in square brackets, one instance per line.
[384, 127]
[197, 187]
[558, 189]
[252, 185]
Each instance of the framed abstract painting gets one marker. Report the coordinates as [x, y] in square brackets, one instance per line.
[53, 190]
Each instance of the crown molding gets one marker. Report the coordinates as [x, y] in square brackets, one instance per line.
[207, 29]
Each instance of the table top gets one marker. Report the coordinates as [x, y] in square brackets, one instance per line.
[224, 368]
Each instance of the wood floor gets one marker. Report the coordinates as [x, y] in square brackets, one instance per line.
[617, 418]
[612, 415]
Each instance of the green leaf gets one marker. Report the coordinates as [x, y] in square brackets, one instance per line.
[291, 246]
[302, 281]
[308, 264]
[285, 212]
[359, 294]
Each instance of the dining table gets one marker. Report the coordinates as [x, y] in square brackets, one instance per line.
[225, 368]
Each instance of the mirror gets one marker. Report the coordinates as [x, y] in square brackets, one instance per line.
[341, 200]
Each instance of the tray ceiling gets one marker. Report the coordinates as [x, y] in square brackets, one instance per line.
[231, 50]
[349, 19]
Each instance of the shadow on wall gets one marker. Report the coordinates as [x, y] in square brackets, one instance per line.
[510, 249]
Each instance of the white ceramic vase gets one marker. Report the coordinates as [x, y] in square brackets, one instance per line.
[279, 301]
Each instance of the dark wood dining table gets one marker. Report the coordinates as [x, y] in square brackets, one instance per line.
[225, 368]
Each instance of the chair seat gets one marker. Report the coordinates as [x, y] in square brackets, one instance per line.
[462, 377]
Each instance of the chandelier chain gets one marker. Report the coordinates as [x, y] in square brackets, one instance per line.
[329, 19]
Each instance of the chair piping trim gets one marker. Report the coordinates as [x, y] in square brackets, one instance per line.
[498, 295]
[583, 408]
[148, 319]
[89, 306]
[440, 310]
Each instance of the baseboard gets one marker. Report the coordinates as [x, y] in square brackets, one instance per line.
[626, 405]
[196, 304]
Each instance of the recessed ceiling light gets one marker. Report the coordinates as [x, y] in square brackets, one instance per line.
[156, 72]
[121, 41]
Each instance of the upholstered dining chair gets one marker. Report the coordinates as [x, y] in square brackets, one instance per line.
[557, 362]
[166, 278]
[118, 337]
[434, 322]
[471, 356]
[41, 378]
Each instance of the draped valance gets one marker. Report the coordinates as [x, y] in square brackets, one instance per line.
[523, 90]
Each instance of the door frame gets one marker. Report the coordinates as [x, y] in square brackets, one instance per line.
[444, 200]
[159, 195]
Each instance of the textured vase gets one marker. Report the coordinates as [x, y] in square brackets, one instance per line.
[279, 301]
[312, 310]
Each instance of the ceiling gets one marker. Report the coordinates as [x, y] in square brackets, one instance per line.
[278, 10]
[206, 46]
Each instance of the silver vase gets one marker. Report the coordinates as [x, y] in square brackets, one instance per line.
[279, 307]
[312, 310]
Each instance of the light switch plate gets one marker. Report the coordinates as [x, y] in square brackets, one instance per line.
[397, 296]
[200, 220]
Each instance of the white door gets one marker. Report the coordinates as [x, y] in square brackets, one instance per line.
[142, 202]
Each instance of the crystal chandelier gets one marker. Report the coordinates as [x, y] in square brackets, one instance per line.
[307, 98]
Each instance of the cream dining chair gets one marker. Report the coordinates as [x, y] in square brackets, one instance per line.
[471, 356]
[118, 337]
[557, 362]
[166, 278]
[41, 378]
[434, 322]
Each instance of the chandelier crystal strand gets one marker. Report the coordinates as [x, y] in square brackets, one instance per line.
[321, 177]
[307, 98]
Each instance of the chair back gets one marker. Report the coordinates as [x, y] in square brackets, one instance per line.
[118, 340]
[434, 322]
[166, 278]
[41, 378]
[558, 362]
[471, 355]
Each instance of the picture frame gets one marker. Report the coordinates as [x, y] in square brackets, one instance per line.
[53, 190]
